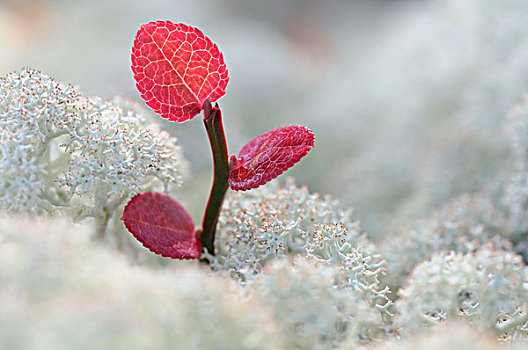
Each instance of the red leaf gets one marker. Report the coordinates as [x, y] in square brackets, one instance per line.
[269, 155]
[177, 68]
[162, 225]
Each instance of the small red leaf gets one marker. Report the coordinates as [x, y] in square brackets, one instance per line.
[162, 225]
[269, 155]
[177, 68]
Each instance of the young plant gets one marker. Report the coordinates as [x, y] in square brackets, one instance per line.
[179, 73]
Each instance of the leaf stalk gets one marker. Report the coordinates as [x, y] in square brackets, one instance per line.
[215, 132]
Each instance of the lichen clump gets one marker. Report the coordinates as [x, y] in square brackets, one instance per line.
[61, 290]
[61, 150]
[271, 221]
[308, 260]
[488, 288]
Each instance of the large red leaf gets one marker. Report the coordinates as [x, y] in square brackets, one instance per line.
[269, 155]
[177, 68]
[162, 225]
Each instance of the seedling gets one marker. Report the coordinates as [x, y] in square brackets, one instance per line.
[179, 73]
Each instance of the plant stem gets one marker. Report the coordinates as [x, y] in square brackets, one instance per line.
[215, 132]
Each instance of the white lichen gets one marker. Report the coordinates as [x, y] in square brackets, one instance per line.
[489, 288]
[330, 291]
[60, 290]
[359, 268]
[271, 221]
[463, 225]
[61, 150]
[312, 312]
[515, 199]
[455, 336]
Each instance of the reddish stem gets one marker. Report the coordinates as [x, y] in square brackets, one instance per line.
[215, 132]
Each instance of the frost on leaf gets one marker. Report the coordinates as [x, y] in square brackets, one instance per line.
[269, 155]
[162, 225]
[177, 68]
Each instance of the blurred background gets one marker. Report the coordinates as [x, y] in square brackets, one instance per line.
[406, 97]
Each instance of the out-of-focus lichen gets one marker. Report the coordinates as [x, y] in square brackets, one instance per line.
[312, 312]
[427, 105]
[455, 336]
[315, 308]
[60, 290]
[515, 193]
[489, 288]
[463, 225]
